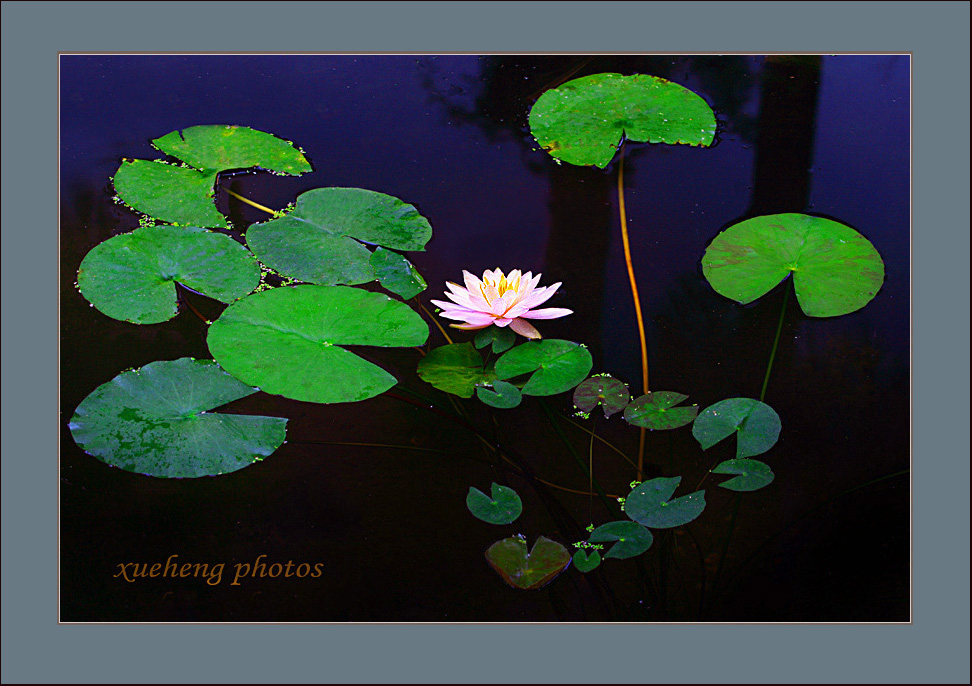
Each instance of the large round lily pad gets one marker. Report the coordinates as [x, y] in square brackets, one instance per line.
[756, 424]
[835, 269]
[556, 365]
[455, 368]
[132, 276]
[532, 570]
[287, 341]
[657, 411]
[177, 195]
[157, 421]
[318, 241]
[649, 504]
[216, 148]
[583, 121]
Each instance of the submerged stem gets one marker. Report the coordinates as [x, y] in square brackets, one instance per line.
[776, 342]
[434, 321]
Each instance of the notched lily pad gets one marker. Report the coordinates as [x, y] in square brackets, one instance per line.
[756, 424]
[132, 276]
[503, 507]
[157, 421]
[632, 538]
[501, 338]
[456, 368]
[753, 474]
[656, 411]
[583, 121]
[586, 562]
[649, 504]
[835, 269]
[287, 341]
[528, 571]
[396, 274]
[604, 390]
[216, 148]
[499, 394]
[555, 365]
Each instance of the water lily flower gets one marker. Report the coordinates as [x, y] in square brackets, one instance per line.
[501, 300]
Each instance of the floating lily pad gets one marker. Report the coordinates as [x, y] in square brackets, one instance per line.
[157, 421]
[524, 570]
[396, 274]
[180, 195]
[632, 538]
[753, 474]
[835, 269]
[649, 504]
[287, 341]
[501, 338]
[499, 394]
[556, 365]
[757, 425]
[604, 390]
[656, 411]
[583, 121]
[318, 241]
[132, 276]
[584, 562]
[456, 368]
[502, 508]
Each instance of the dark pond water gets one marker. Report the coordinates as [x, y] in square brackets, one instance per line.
[827, 541]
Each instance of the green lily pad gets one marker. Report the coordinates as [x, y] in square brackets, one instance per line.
[835, 269]
[649, 504]
[396, 274]
[501, 338]
[757, 425]
[502, 508]
[656, 411]
[604, 390]
[529, 571]
[753, 474]
[318, 241]
[557, 365]
[456, 368]
[176, 195]
[287, 341]
[632, 538]
[217, 148]
[157, 421]
[584, 562]
[180, 195]
[499, 394]
[132, 276]
[583, 121]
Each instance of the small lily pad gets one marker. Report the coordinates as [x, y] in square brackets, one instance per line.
[649, 504]
[502, 508]
[455, 368]
[501, 338]
[396, 274]
[499, 394]
[835, 269]
[528, 571]
[604, 390]
[132, 276]
[583, 121]
[757, 425]
[632, 538]
[656, 411]
[556, 365]
[157, 421]
[584, 562]
[753, 474]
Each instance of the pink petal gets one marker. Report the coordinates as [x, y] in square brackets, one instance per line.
[462, 298]
[540, 296]
[468, 327]
[502, 321]
[476, 299]
[524, 328]
[547, 313]
[472, 283]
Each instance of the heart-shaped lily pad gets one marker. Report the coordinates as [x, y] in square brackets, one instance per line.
[583, 121]
[287, 341]
[556, 365]
[501, 338]
[455, 368]
[318, 241]
[132, 276]
[502, 508]
[499, 394]
[157, 421]
[649, 504]
[604, 390]
[753, 474]
[183, 195]
[656, 411]
[757, 425]
[586, 562]
[396, 274]
[835, 269]
[532, 570]
[632, 538]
